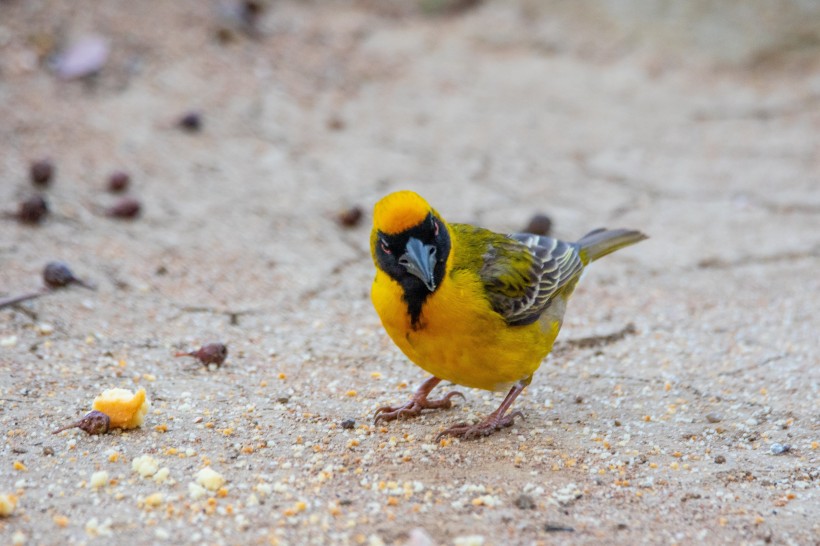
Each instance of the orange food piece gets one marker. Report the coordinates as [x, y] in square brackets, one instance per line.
[125, 409]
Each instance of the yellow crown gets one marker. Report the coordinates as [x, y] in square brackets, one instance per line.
[399, 211]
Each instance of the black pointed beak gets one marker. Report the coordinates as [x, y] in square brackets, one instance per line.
[420, 260]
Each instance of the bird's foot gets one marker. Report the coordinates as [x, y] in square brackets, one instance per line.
[491, 424]
[414, 406]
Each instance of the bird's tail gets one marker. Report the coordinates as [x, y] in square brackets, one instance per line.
[600, 242]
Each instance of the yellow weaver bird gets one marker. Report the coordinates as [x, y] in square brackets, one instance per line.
[471, 306]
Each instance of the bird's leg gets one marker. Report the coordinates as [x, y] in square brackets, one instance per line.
[493, 422]
[417, 403]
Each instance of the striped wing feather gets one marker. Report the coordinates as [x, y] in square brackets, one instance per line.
[524, 274]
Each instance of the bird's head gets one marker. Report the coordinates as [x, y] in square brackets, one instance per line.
[410, 242]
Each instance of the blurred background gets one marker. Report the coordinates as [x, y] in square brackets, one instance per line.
[211, 168]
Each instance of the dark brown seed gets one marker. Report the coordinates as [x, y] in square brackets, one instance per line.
[579, 399]
[539, 224]
[351, 217]
[780, 449]
[48, 451]
[41, 172]
[94, 422]
[58, 275]
[720, 459]
[32, 210]
[126, 208]
[348, 424]
[212, 353]
[118, 181]
[191, 122]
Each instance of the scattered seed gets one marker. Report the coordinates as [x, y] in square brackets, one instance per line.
[41, 172]
[720, 459]
[780, 449]
[347, 424]
[524, 502]
[351, 217]
[191, 122]
[94, 422]
[212, 353]
[690, 496]
[622, 526]
[579, 399]
[59, 275]
[118, 181]
[48, 451]
[126, 208]
[32, 210]
[283, 399]
[539, 224]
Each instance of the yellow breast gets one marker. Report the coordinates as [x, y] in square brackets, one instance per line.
[459, 337]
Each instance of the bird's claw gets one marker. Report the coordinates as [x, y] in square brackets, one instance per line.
[414, 407]
[486, 427]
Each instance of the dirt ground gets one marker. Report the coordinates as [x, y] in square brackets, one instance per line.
[655, 433]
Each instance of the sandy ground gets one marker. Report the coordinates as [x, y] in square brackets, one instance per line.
[660, 435]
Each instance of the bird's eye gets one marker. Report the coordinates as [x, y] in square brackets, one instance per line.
[385, 248]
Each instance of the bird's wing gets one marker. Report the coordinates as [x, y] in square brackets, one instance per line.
[522, 273]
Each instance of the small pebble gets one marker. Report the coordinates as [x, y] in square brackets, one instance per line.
[713, 418]
[118, 181]
[126, 208]
[84, 58]
[41, 172]
[720, 459]
[347, 424]
[539, 224]
[351, 217]
[32, 210]
[780, 449]
[191, 122]
[525, 502]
